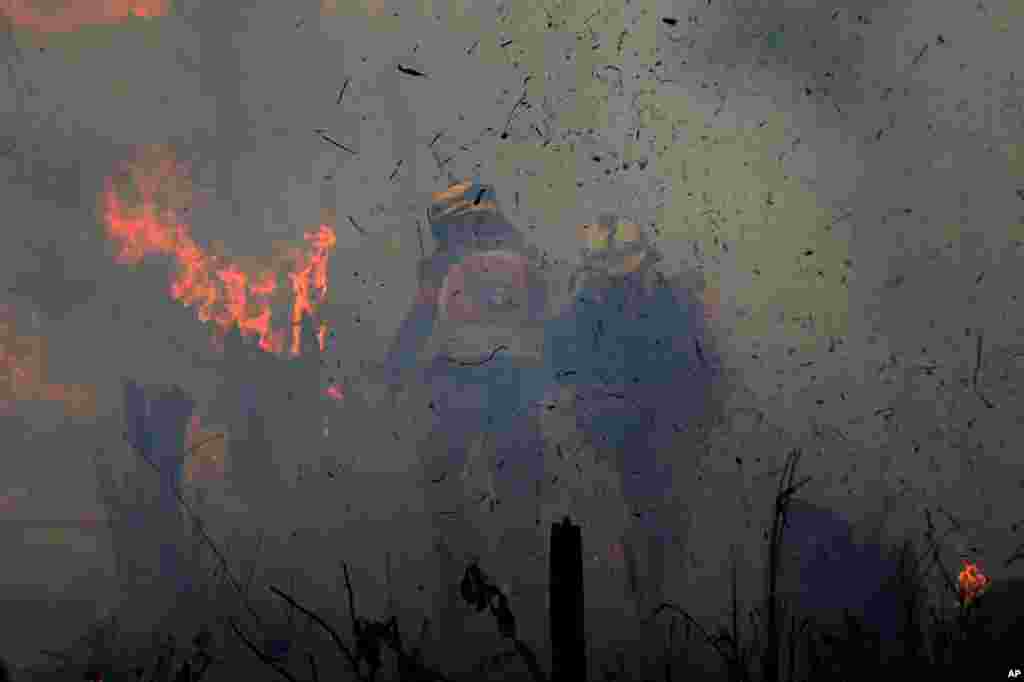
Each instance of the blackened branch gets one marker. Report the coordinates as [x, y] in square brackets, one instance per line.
[335, 637]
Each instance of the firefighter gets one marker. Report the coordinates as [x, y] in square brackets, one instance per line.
[631, 347]
[477, 324]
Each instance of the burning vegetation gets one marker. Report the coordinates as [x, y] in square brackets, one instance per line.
[144, 210]
[972, 583]
[23, 374]
[66, 17]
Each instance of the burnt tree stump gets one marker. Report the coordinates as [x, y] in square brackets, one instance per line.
[568, 640]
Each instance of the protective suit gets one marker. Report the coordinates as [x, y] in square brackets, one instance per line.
[476, 331]
[633, 350]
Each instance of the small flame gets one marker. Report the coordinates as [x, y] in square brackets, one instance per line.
[225, 293]
[311, 275]
[973, 583]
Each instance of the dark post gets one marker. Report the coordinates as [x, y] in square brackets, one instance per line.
[568, 641]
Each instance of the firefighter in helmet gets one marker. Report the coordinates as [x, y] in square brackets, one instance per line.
[476, 333]
[632, 348]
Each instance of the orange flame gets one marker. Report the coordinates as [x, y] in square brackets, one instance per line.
[73, 14]
[973, 583]
[223, 292]
[23, 374]
[312, 269]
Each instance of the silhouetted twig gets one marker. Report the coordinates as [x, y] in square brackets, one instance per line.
[787, 488]
[335, 637]
[267, 660]
[252, 568]
[1017, 555]
[312, 667]
[370, 635]
[711, 641]
[481, 593]
[206, 538]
